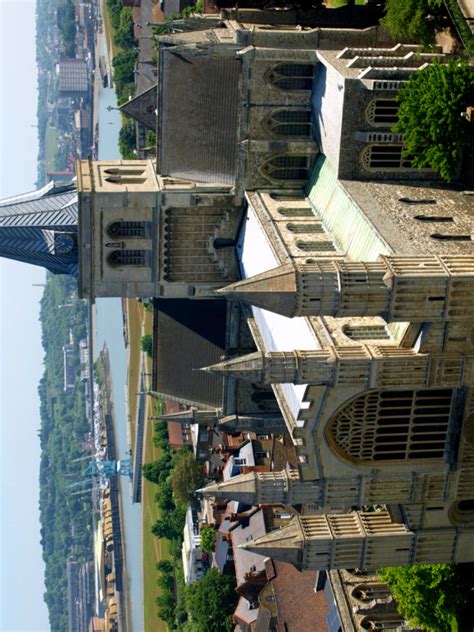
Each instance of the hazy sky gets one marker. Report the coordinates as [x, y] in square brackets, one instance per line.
[21, 597]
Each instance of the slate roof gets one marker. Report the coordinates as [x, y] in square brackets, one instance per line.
[142, 108]
[188, 335]
[198, 115]
[28, 223]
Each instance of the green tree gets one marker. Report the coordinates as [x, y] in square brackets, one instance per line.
[146, 344]
[429, 116]
[211, 601]
[414, 19]
[208, 539]
[429, 596]
[159, 470]
[186, 477]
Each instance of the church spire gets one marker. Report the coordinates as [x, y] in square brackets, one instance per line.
[414, 289]
[369, 366]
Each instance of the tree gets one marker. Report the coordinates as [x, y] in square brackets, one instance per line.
[146, 343]
[414, 19]
[429, 116]
[208, 539]
[211, 601]
[429, 596]
[159, 470]
[186, 476]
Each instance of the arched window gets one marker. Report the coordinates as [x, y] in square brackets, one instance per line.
[384, 157]
[125, 171]
[288, 167]
[292, 76]
[128, 258]
[290, 196]
[315, 246]
[129, 229]
[305, 228]
[382, 112]
[392, 425]
[371, 590]
[406, 200]
[295, 212]
[290, 123]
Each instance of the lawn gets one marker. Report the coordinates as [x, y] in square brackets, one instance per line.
[335, 4]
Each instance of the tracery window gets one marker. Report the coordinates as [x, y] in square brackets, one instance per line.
[382, 112]
[290, 123]
[384, 157]
[128, 258]
[292, 76]
[288, 167]
[129, 229]
[392, 425]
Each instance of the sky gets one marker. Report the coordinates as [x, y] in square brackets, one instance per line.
[21, 590]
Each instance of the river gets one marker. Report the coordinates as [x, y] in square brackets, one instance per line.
[109, 329]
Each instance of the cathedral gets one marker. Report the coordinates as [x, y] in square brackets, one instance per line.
[307, 278]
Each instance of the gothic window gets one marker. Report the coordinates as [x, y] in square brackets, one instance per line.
[129, 229]
[371, 590]
[389, 621]
[287, 167]
[295, 212]
[444, 237]
[434, 218]
[290, 123]
[315, 246]
[305, 228]
[392, 425]
[121, 179]
[128, 258]
[292, 76]
[366, 332]
[383, 157]
[382, 112]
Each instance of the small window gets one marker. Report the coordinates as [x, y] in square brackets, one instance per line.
[128, 258]
[292, 76]
[125, 171]
[240, 461]
[305, 228]
[444, 237]
[434, 218]
[315, 246]
[366, 332]
[292, 196]
[406, 200]
[295, 212]
[261, 455]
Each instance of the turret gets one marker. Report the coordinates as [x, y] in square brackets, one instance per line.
[415, 289]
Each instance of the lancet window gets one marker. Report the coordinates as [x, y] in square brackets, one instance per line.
[129, 229]
[295, 212]
[292, 76]
[305, 228]
[392, 425]
[128, 258]
[288, 167]
[290, 123]
[315, 246]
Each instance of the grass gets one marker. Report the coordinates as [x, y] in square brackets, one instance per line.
[335, 4]
[153, 548]
[50, 147]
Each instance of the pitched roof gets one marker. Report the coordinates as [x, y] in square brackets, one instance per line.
[198, 114]
[188, 334]
[142, 108]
